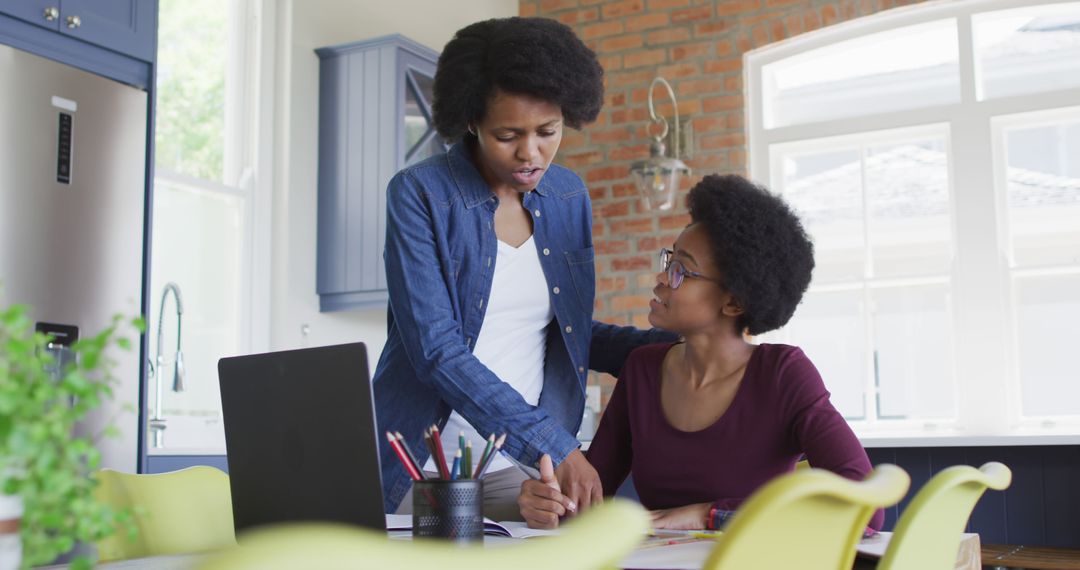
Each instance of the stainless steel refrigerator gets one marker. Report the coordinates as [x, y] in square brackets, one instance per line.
[72, 184]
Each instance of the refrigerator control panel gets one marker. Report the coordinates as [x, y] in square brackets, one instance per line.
[63, 150]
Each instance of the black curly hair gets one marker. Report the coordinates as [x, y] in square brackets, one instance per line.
[530, 56]
[759, 246]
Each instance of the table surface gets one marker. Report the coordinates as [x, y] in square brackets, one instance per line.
[1032, 557]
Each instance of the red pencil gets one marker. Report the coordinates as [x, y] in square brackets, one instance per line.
[404, 458]
[440, 457]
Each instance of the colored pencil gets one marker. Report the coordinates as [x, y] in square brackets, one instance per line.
[466, 461]
[491, 456]
[455, 469]
[440, 457]
[413, 472]
[484, 456]
[408, 452]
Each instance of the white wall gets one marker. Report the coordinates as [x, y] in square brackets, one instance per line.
[302, 27]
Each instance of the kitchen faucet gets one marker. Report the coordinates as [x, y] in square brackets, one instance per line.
[157, 423]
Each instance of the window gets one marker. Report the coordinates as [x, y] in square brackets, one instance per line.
[206, 207]
[933, 154]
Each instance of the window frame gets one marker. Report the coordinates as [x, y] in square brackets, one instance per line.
[987, 385]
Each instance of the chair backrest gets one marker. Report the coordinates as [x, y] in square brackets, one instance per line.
[810, 519]
[598, 539]
[928, 534]
[183, 511]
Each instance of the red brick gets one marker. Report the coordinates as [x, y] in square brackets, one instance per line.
[673, 221]
[679, 70]
[622, 8]
[601, 30]
[611, 247]
[691, 14]
[643, 58]
[579, 16]
[626, 78]
[743, 43]
[811, 21]
[631, 263]
[657, 5]
[621, 43]
[828, 15]
[714, 142]
[668, 36]
[623, 190]
[605, 173]
[849, 9]
[652, 243]
[598, 305]
[728, 7]
[526, 9]
[598, 229]
[783, 3]
[548, 6]
[723, 65]
[647, 21]
[733, 83]
[761, 35]
[608, 284]
[647, 281]
[610, 62]
[713, 27]
[630, 302]
[631, 227]
[609, 136]
[634, 152]
[615, 99]
[641, 320]
[598, 193]
[579, 159]
[794, 24]
[629, 115]
[686, 51]
[724, 47]
[572, 138]
[692, 88]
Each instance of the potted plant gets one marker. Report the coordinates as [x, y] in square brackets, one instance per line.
[45, 469]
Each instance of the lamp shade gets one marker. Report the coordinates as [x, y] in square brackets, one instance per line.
[657, 178]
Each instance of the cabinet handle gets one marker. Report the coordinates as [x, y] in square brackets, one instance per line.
[51, 13]
[73, 22]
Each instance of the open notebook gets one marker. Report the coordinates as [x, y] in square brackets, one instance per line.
[511, 529]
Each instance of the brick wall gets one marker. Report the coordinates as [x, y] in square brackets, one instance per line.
[697, 45]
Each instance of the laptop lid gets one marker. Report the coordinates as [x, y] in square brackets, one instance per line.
[301, 438]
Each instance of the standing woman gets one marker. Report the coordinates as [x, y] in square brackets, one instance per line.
[489, 264]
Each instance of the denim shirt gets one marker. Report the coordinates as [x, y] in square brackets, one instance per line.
[440, 255]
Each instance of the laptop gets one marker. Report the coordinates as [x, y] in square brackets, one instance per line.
[301, 438]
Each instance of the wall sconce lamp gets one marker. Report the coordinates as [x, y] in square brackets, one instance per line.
[658, 177]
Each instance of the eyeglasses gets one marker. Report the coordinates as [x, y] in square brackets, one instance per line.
[676, 271]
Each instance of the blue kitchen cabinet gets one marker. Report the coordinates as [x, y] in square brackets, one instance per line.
[123, 26]
[374, 119]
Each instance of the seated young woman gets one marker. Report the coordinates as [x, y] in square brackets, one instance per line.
[702, 423]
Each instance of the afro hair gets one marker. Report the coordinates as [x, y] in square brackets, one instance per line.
[538, 57]
[764, 255]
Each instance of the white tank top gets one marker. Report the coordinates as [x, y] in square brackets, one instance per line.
[512, 340]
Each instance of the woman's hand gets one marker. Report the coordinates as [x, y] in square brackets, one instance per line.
[542, 502]
[689, 517]
[579, 481]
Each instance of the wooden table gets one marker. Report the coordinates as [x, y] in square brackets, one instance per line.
[1030, 557]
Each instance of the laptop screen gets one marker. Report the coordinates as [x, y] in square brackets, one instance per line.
[301, 438]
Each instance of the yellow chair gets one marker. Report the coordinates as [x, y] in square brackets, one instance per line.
[189, 510]
[598, 539]
[810, 519]
[928, 534]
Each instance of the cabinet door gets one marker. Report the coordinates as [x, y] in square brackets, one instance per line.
[44, 13]
[125, 26]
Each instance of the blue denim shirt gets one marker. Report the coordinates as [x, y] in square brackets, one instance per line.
[440, 256]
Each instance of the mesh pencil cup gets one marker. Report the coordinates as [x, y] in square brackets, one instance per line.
[449, 509]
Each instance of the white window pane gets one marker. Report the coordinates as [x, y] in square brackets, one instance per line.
[829, 327]
[913, 356]
[191, 69]
[1047, 312]
[906, 68]
[907, 189]
[197, 244]
[1028, 50]
[1044, 194]
[825, 189]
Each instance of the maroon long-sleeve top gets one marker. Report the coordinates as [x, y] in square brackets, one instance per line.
[780, 411]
